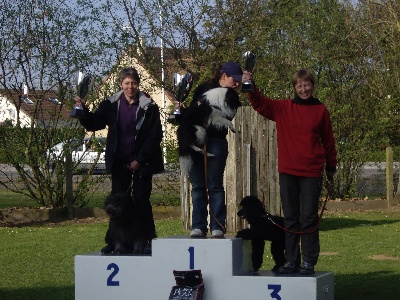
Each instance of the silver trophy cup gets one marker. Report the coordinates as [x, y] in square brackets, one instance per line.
[84, 85]
[182, 86]
[249, 63]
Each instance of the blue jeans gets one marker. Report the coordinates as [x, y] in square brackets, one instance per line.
[215, 186]
[300, 198]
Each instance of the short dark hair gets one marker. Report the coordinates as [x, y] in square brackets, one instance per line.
[302, 74]
[129, 72]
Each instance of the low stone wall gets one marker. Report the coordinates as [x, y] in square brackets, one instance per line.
[358, 205]
[27, 215]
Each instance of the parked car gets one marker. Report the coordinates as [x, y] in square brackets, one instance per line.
[85, 153]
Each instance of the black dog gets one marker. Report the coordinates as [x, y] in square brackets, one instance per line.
[216, 108]
[262, 229]
[125, 232]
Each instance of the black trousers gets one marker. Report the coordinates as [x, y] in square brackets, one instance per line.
[300, 198]
[141, 184]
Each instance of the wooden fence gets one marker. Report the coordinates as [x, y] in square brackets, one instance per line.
[251, 168]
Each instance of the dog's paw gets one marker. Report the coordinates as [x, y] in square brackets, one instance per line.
[147, 249]
[107, 249]
[255, 269]
[122, 250]
[142, 247]
[257, 264]
[244, 234]
[276, 268]
[232, 128]
[197, 149]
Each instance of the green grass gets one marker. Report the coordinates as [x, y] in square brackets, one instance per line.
[9, 199]
[361, 248]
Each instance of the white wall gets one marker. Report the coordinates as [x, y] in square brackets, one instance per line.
[8, 111]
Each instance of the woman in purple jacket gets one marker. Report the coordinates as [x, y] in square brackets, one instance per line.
[133, 150]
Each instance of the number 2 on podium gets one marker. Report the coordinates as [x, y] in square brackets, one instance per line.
[110, 279]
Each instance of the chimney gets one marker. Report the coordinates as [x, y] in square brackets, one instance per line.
[26, 91]
[25, 95]
[141, 49]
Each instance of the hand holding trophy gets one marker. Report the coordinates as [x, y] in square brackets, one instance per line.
[83, 88]
[182, 86]
[250, 63]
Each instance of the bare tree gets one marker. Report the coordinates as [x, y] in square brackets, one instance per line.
[43, 45]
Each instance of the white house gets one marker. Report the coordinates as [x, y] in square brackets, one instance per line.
[41, 105]
[8, 111]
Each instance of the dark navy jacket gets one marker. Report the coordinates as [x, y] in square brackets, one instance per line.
[148, 132]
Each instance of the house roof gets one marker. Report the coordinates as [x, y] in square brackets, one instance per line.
[175, 61]
[43, 105]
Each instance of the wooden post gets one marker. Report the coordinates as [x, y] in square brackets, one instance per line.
[185, 200]
[389, 176]
[396, 199]
[247, 173]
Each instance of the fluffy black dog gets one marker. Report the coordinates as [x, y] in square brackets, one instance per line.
[216, 108]
[125, 232]
[262, 229]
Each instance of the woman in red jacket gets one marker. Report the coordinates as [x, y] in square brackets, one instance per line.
[305, 146]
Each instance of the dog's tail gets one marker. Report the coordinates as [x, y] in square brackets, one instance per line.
[186, 163]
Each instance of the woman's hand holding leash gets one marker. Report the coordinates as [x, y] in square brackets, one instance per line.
[133, 166]
[329, 182]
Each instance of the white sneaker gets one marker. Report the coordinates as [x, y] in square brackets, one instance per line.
[197, 233]
[217, 233]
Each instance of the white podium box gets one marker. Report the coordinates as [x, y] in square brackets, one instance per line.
[225, 265]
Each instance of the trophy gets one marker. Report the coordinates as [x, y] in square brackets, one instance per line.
[182, 86]
[250, 63]
[84, 86]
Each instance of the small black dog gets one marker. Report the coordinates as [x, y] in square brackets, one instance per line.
[262, 229]
[125, 232]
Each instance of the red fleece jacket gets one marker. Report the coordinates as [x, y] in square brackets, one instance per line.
[304, 133]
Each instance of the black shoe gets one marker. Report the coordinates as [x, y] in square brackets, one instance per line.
[289, 267]
[307, 268]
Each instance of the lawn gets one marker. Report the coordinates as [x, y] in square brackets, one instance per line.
[361, 248]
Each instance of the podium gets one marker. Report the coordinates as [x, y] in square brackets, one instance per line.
[225, 265]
